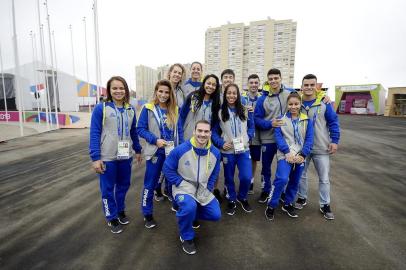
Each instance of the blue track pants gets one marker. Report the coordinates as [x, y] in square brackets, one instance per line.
[190, 210]
[114, 184]
[286, 173]
[243, 163]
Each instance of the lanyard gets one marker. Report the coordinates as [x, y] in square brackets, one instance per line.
[204, 111]
[127, 130]
[296, 134]
[163, 125]
[316, 113]
[277, 96]
[234, 122]
[252, 100]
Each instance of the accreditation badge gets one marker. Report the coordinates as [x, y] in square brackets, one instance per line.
[169, 147]
[123, 150]
[238, 144]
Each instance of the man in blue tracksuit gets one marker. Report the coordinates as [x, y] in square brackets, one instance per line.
[252, 96]
[192, 168]
[326, 138]
[270, 106]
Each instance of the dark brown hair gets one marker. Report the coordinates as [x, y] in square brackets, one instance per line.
[127, 90]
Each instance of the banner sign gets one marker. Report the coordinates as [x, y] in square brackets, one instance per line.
[13, 116]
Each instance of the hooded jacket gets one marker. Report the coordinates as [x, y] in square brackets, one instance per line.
[297, 141]
[193, 171]
[104, 129]
[325, 122]
[149, 128]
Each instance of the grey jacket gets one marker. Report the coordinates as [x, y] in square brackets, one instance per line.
[285, 137]
[274, 106]
[180, 96]
[193, 171]
[204, 112]
[153, 127]
[105, 123]
[227, 133]
[325, 132]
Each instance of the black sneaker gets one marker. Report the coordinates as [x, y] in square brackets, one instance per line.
[122, 218]
[326, 211]
[263, 198]
[115, 226]
[188, 246]
[282, 198]
[269, 213]
[149, 222]
[231, 208]
[300, 203]
[251, 190]
[196, 224]
[158, 196]
[217, 194]
[245, 205]
[290, 210]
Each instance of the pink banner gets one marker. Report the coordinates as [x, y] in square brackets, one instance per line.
[30, 116]
[10, 116]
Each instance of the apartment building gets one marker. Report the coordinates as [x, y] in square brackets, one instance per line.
[252, 49]
[145, 78]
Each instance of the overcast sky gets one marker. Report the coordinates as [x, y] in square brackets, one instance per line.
[342, 42]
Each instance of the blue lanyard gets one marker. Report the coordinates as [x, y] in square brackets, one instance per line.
[315, 113]
[235, 121]
[296, 134]
[204, 111]
[127, 129]
[252, 100]
[163, 125]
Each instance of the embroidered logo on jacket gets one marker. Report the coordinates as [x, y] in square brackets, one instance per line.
[154, 159]
[187, 163]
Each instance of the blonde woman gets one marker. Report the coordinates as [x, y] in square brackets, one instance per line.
[176, 76]
[158, 125]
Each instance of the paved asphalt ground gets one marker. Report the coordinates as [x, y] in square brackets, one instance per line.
[51, 216]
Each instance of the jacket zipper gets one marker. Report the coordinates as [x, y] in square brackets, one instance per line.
[122, 125]
[280, 105]
[198, 172]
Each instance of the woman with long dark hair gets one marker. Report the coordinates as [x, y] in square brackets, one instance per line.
[231, 135]
[202, 104]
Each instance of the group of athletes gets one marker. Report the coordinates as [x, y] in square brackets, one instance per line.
[192, 126]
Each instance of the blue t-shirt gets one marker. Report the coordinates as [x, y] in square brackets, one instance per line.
[166, 133]
[308, 103]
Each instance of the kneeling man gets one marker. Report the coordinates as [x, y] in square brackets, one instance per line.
[192, 168]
